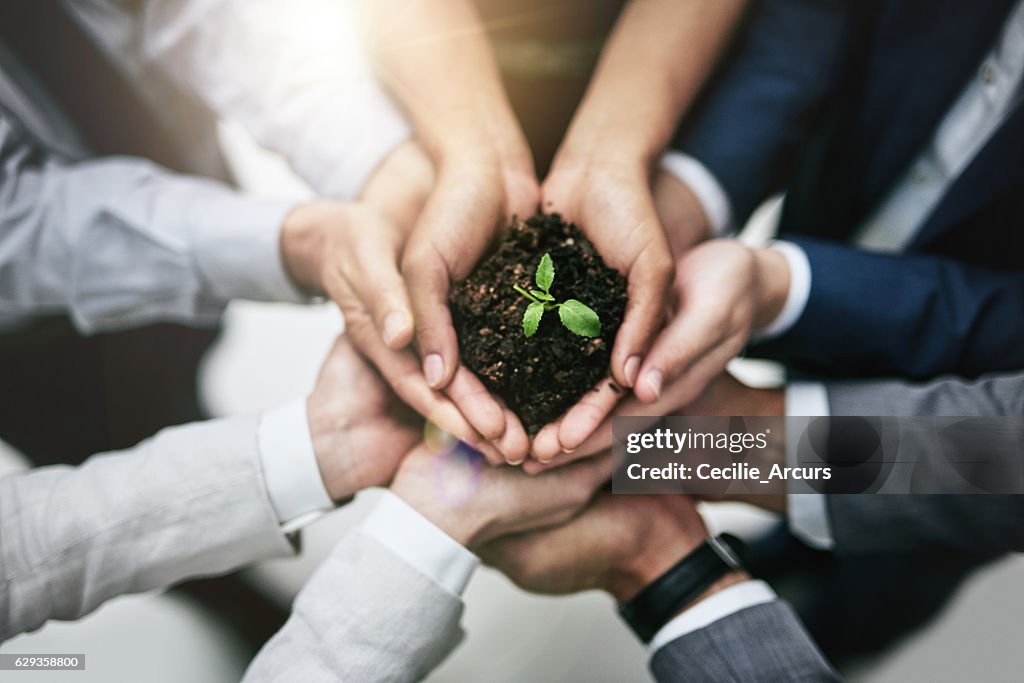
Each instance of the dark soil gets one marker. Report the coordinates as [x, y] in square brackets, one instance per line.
[538, 377]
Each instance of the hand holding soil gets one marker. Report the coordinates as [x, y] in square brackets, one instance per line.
[540, 375]
[467, 210]
[612, 204]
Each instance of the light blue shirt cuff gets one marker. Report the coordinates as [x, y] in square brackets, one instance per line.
[237, 248]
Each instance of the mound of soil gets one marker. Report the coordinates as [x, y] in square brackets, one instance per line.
[539, 377]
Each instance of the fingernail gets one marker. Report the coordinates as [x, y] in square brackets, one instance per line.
[433, 368]
[631, 367]
[654, 378]
[516, 463]
[394, 325]
[568, 450]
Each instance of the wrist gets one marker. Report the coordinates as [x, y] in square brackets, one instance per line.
[302, 244]
[485, 153]
[730, 579]
[332, 456]
[602, 153]
[682, 213]
[773, 280]
[767, 402]
[640, 568]
[447, 516]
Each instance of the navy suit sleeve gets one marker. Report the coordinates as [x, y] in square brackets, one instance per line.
[761, 105]
[911, 315]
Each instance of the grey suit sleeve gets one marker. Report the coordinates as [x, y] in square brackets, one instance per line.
[189, 502]
[365, 616]
[981, 524]
[761, 644]
[120, 242]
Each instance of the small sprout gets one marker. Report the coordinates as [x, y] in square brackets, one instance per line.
[576, 316]
[531, 319]
[579, 318]
[545, 274]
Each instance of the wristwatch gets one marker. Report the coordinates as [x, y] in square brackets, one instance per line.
[659, 601]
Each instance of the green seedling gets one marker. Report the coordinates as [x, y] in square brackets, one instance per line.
[575, 315]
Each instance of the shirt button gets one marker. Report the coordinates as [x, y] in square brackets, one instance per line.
[919, 176]
[988, 74]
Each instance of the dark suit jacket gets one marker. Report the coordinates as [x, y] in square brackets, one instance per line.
[831, 101]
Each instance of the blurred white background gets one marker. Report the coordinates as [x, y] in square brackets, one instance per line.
[269, 354]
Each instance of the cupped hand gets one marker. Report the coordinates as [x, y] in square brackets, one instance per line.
[351, 252]
[474, 503]
[725, 396]
[613, 206]
[618, 544]
[474, 200]
[359, 428]
[723, 291]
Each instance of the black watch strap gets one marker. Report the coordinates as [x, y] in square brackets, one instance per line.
[652, 607]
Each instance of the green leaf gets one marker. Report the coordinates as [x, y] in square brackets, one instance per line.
[543, 296]
[545, 273]
[579, 318]
[531, 318]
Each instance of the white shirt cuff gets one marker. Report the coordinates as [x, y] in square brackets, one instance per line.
[294, 485]
[799, 291]
[704, 186]
[401, 529]
[807, 512]
[723, 603]
[237, 243]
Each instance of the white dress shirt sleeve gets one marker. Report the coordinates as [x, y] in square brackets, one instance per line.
[705, 187]
[187, 502]
[119, 242]
[292, 72]
[397, 526]
[807, 512]
[720, 605]
[799, 291]
[292, 476]
[382, 608]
